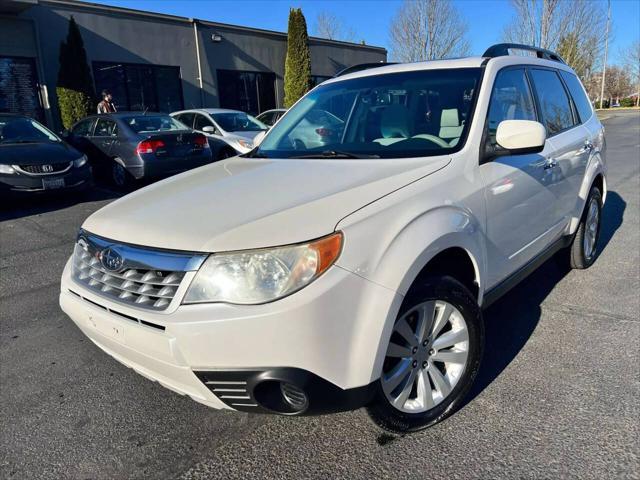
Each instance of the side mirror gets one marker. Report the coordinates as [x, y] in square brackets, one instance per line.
[209, 129]
[259, 137]
[521, 136]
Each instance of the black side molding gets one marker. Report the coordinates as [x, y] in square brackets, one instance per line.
[507, 284]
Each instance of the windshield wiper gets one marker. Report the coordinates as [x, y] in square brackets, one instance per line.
[335, 154]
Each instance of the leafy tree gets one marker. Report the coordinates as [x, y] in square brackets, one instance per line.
[75, 87]
[297, 65]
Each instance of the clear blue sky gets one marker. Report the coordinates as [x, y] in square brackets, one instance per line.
[370, 19]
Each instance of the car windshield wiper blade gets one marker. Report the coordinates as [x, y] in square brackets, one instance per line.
[335, 154]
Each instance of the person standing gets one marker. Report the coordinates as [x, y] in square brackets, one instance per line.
[106, 105]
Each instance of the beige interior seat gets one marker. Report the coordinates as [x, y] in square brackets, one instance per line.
[394, 124]
[450, 126]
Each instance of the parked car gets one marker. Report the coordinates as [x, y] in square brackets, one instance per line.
[234, 127]
[130, 146]
[34, 159]
[352, 273]
[271, 116]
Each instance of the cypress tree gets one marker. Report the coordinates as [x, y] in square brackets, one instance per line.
[297, 65]
[75, 87]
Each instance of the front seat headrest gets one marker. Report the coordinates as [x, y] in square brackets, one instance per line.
[394, 122]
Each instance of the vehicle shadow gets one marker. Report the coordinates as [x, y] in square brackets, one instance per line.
[512, 320]
[15, 207]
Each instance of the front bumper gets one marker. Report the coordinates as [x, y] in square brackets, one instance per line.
[326, 339]
[19, 182]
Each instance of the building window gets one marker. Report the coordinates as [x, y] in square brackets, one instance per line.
[139, 87]
[251, 92]
[19, 87]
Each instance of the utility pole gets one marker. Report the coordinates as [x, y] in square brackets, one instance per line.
[606, 45]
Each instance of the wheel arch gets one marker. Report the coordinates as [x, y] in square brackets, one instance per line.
[595, 174]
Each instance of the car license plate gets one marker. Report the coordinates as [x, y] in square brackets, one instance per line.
[52, 183]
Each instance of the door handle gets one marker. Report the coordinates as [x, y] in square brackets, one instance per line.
[552, 162]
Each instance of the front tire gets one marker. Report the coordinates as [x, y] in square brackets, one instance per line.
[432, 358]
[584, 246]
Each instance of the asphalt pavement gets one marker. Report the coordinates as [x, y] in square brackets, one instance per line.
[558, 394]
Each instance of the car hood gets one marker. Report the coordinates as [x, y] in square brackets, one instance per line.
[37, 153]
[245, 203]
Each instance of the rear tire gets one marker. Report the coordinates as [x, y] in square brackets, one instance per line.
[584, 247]
[437, 360]
[120, 177]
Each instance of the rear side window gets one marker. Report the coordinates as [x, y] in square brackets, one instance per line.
[105, 128]
[84, 128]
[582, 103]
[511, 99]
[554, 102]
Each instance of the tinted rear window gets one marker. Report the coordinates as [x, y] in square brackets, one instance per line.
[153, 124]
[583, 105]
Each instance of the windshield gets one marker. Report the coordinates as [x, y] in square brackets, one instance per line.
[238, 122]
[24, 130]
[406, 114]
[153, 124]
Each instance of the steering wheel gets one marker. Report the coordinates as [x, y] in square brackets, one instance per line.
[433, 139]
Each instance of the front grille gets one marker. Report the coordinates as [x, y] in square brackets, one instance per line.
[142, 278]
[47, 169]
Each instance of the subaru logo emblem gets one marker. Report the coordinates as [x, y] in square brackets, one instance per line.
[47, 168]
[111, 260]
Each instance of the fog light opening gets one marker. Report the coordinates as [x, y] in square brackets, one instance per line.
[294, 396]
[281, 397]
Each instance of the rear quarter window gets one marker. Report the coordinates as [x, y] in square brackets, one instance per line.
[582, 103]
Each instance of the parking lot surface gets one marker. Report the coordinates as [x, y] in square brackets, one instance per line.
[558, 394]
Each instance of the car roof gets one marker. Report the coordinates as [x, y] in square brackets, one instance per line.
[209, 110]
[467, 62]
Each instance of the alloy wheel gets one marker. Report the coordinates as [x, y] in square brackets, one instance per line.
[591, 229]
[426, 356]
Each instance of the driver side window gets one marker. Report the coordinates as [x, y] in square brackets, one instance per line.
[511, 99]
[201, 122]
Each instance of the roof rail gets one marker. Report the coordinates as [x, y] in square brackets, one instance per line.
[502, 49]
[361, 66]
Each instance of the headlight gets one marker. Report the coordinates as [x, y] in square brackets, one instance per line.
[80, 161]
[260, 276]
[7, 169]
[245, 143]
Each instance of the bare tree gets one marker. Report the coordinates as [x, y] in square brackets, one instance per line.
[630, 57]
[573, 28]
[331, 27]
[428, 30]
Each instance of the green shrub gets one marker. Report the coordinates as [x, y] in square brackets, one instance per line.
[75, 86]
[297, 65]
[628, 102]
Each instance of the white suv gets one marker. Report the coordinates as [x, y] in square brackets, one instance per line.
[300, 280]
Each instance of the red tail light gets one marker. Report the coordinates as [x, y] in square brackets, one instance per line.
[200, 141]
[324, 132]
[149, 146]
